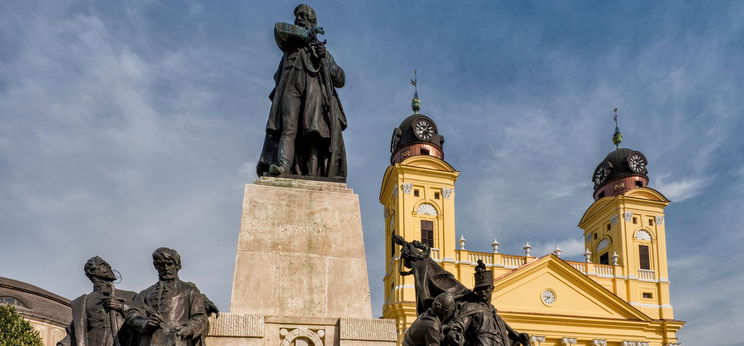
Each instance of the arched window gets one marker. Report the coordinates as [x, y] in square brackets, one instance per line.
[603, 244]
[642, 235]
[427, 226]
[12, 301]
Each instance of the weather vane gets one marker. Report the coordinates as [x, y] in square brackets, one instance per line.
[416, 102]
[617, 137]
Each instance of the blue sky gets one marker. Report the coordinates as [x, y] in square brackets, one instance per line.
[129, 125]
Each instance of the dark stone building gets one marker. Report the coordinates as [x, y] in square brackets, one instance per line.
[49, 313]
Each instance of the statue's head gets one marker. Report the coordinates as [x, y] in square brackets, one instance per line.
[483, 282]
[167, 262]
[305, 16]
[413, 252]
[444, 305]
[97, 268]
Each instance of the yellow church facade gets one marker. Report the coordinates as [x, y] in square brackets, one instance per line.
[619, 295]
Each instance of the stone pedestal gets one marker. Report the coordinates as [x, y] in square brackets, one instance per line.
[256, 330]
[300, 271]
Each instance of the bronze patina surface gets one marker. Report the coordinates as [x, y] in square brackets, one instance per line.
[303, 132]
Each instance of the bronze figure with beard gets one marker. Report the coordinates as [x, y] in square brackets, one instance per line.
[98, 317]
[303, 132]
[171, 312]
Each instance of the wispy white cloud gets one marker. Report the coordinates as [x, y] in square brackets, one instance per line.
[570, 248]
[683, 189]
[127, 126]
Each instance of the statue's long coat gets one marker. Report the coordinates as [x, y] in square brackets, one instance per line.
[180, 305]
[297, 70]
[77, 331]
[481, 324]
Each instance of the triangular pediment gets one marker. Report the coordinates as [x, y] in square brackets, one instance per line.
[595, 207]
[521, 291]
[647, 193]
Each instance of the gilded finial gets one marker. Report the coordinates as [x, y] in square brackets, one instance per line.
[416, 102]
[617, 137]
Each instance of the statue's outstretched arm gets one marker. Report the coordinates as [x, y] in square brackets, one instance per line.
[290, 36]
[399, 240]
[522, 338]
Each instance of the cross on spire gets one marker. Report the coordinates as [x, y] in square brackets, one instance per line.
[416, 102]
[617, 137]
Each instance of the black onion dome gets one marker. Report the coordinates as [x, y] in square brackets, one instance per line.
[620, 164]
[408, 135]
[417, 130]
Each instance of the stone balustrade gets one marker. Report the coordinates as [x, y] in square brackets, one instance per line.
[604, 270]
[645, 274]
[511, 262]
[580, 266]
[487, 258]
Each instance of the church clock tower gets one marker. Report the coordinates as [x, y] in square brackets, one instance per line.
[419, 198]
[625, 227]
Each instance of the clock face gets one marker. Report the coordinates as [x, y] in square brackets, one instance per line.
[548, 297]
[601, 173]
[423, 130]
[637, 163]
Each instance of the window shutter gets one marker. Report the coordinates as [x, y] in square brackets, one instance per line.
[427, 232]
[643, 254]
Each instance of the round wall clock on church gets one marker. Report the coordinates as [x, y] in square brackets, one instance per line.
[637, 163]
[423, 130]
[548, 297]
[602, 172]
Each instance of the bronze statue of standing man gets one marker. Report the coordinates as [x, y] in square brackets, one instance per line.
[303, 133]
[98, 317]
[171, 312]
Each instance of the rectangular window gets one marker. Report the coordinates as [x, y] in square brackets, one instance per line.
[609, 226]
[427, 232]
[639, 183]
[415, 193]
[648, 295]
[595, 236]
[635, 220]
[424, 151]
[643, 255]
[650, 222]
[436, 195]
[604, 258]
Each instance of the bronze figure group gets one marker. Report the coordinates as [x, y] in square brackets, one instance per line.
[448, 312]
[169, 313]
